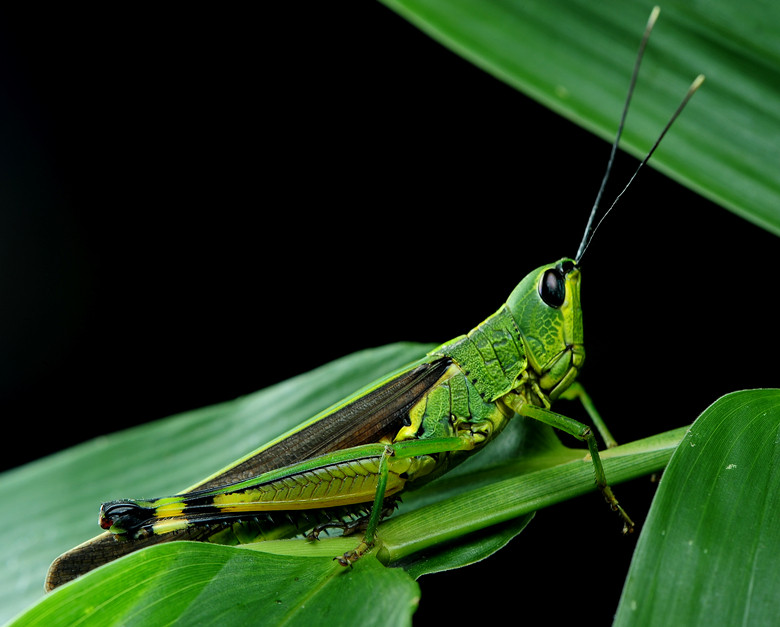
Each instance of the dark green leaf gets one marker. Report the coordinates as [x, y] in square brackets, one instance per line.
[466, 551]
[206, 584]
[60, 495]
[708, 554]
[576, 57]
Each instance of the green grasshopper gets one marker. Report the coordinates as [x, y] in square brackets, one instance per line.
[346, 467]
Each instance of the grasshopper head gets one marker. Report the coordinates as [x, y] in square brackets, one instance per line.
[546, 307]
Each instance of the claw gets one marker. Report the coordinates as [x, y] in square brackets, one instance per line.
[350, 557]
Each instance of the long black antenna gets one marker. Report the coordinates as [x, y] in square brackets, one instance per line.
[639, 55]
[590, 230]
[691, 90]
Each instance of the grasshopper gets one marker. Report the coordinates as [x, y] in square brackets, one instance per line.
[346, 467]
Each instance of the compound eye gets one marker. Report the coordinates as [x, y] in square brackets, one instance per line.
[552, 288]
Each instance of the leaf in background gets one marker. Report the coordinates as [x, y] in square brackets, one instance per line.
[575, 57]
[708, 554]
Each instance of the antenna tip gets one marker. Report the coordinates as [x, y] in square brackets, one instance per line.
[697, 82]
[654, 14]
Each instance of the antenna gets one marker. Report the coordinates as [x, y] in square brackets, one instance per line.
[590, 230]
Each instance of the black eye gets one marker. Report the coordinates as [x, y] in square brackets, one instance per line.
[552, 288]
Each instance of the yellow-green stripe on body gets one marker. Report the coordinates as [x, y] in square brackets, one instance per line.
[344, 483]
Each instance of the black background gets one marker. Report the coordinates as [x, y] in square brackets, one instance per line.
[198, 205]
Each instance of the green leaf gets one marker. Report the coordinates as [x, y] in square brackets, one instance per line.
[60, 495]
[576, 58]
[475, 548]
[205, 584]
[708, 554]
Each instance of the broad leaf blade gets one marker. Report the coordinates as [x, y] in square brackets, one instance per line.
[205, 584]
[60, 495]
[708, 552]
[576, 57]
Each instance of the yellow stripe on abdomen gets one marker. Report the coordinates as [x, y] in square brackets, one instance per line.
[345, 483]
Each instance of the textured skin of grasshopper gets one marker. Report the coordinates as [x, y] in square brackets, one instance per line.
[431, 415]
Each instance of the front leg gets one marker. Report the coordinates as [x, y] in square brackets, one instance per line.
[581, 432]
[575, 392]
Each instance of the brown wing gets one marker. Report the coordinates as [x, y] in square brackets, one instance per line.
[365, 420]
